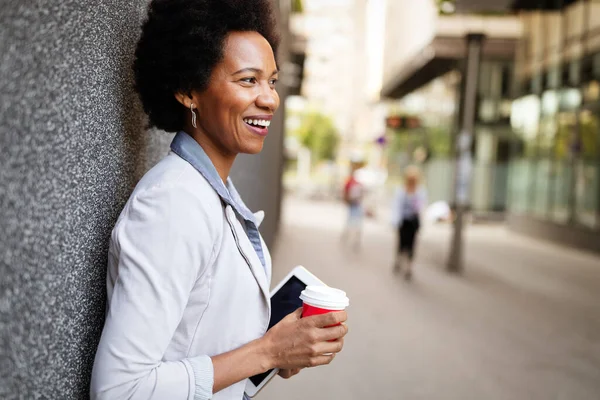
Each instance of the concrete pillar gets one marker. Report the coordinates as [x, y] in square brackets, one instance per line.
[72, 146]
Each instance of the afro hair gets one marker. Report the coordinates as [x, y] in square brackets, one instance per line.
[180, 44]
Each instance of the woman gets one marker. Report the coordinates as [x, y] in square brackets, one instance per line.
[188, 273]
[353, 197]
[408, 204]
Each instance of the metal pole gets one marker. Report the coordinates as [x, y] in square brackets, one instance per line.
[464, 140]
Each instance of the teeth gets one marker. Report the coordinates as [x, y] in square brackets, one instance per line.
[260, 122]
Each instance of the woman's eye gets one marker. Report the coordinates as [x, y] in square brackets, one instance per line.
[249, 80]
[273, 81]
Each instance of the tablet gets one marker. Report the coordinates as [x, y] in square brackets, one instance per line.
[285, 299]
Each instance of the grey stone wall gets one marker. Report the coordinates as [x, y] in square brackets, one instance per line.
[72, 146]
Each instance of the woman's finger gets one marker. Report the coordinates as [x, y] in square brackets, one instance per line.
[288, 373]
[330, 347]
[331, 318]
[333, 332]
[294, 371]
[323, 359]
[293, 316]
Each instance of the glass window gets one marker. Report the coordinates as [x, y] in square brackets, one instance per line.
[587, 174]
[587, 191]
[548, 122]
[524, 118]
[542, 170]
[519, 181]
[553, 76]
[560, 187]
[562, 169]
[575, 72]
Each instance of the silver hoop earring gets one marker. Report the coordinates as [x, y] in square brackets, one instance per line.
[193, 115]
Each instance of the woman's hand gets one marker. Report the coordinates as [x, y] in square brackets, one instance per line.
[288, 373]
[297, 342]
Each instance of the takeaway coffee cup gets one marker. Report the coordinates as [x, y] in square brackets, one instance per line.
[322, 299]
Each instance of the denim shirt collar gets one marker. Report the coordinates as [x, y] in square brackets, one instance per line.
[187, 148]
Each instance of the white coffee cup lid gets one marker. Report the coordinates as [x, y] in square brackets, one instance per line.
[325, 297]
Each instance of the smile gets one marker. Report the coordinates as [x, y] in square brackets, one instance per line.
[263, 123]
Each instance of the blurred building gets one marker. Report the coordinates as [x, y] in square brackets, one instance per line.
[555, 174]
[334, 32]
[335, 70]
[423, 70]
[536, 147]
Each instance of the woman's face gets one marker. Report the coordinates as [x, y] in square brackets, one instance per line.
[236, 108]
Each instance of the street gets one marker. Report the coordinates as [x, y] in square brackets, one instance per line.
[521, 323]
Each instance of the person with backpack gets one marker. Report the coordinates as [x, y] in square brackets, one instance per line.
[354, 192]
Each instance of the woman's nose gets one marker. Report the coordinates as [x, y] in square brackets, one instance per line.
[268, 98]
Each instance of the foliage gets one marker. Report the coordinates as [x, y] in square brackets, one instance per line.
[318, 133]
[569, 138]
[437, 140]
[297, 6]
[590, 140]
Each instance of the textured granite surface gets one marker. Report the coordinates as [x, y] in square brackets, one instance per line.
[72, 146]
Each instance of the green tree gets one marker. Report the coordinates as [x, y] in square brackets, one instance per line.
[439, 141]
[590, 139]
[318, 133]
[297, 6]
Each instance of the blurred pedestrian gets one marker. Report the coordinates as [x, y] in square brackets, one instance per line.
[354, 193]
[188, 272]
[409, 202]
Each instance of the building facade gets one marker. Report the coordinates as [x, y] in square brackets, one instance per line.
[536, 141]
[335, 80]
[422, 76]
[554, 185]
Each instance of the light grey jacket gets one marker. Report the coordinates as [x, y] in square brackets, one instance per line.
[400, 205]
[184, 283]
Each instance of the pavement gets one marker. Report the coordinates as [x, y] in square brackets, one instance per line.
[521, 323]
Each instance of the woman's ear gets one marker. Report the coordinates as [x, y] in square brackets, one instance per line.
[184, 99]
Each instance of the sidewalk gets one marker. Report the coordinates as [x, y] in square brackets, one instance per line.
[522, 323]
